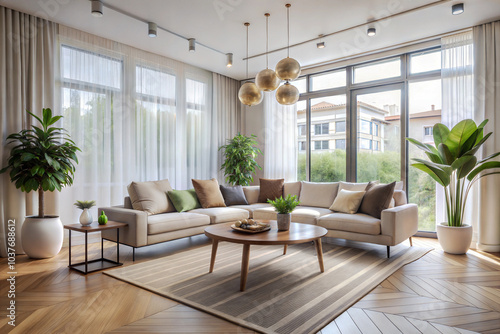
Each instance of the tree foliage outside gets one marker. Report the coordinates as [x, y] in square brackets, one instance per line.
[239, 159]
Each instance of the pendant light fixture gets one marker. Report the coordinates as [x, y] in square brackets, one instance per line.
[267, 80]
[249, 94]
[288, 68]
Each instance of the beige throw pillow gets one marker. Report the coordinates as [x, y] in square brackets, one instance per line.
[208, 193]
[347, 201]
[318, 194]
[151, 196]
[251, 194]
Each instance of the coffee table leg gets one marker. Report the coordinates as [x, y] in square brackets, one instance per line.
[215, 243]
[244, 266]
[319, 252]
[284, 249]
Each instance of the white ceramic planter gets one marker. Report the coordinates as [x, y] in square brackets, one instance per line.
[454, 240]
[42, 237]
[86, 218]
[284, 220]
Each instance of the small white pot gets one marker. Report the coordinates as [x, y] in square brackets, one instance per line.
[454, 240]
[284, 220]
[86, 218]
[42, 238]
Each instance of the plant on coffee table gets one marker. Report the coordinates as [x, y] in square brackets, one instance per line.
[284, 207]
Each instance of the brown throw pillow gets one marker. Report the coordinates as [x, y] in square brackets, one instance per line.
[151, 196]
[270, 189]
[208, 193]
[377, 198]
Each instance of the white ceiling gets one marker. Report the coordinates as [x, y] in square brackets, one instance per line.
[219, 24]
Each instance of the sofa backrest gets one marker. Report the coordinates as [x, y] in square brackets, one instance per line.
[127, 203]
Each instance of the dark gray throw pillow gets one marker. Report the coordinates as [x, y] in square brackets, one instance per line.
[377, 198]
[233, 195]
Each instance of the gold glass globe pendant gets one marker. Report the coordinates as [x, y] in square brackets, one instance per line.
[249, 94]
[287, 94]
[267, 80]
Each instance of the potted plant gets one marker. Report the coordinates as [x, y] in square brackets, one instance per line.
[454, 166]
[284, 207]
[86, 217]
[239, 164]
[42, 161]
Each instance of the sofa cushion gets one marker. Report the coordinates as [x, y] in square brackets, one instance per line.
[174, 221]
[270, 189]
[399, 198]
[318, 194]
[292, 188]
[233, 195]
[352, 186]
[222, 215]
[301, 214]
[252, 207]
[347, 201]
[151, 197]
[251, 194]
[184, 200]
[377, 198]
[208, 193]
[357, 223]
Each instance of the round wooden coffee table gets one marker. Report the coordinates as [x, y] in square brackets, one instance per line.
[297, 234]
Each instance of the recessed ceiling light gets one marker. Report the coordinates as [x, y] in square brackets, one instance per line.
[320, 45]
[457, 9]
[152, 28]
[96, 6]
[229, 61]
[371, 32]
[192, 44]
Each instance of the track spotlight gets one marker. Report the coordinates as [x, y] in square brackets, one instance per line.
[320, 45]
[152, 28]
[229, 61]
[371, 32]
[96, 6]
[457, 9]
[192, 44]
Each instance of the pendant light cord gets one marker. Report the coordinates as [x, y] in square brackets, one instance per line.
[267, 40]
[247, 24]
[288, 29]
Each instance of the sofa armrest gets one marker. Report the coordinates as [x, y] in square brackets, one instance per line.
[136, 233]
[400, 222]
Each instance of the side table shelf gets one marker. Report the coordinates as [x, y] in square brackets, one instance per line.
[87, 266]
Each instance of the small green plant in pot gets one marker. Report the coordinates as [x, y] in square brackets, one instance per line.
[284, 207]
[239, 159]
[86, 217]
[42, 160]
[452, 163]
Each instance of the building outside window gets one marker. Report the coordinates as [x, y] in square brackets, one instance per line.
[376, 129]
[302, 129]
[302, 145]
[340, 126]
[428, 130]
[365, 144]
[376, 145]
[365, 127]
[321, 145]
[340, 144]
[321, 129]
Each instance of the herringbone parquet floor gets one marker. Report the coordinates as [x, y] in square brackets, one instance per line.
[439, 293]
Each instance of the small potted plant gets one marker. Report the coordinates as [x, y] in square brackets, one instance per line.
[452, 163]
[86, 217]
[284, 207]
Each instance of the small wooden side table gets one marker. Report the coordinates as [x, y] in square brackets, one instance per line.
[101, 263]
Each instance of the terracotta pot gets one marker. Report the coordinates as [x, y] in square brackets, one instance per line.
[454, 240]
[42, 237]
[284, 220]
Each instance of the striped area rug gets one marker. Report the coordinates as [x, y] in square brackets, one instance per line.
[284, 293]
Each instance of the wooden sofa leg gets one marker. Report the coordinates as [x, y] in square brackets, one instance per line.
[411, 243]
[388, 251]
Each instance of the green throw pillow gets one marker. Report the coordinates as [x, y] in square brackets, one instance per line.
[184, 200]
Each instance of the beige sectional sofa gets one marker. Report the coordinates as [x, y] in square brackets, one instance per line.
[396, 224]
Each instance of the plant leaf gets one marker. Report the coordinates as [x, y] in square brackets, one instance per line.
[458, 135]
[494, 155]
[440, 133]
[445, 154]
[484, 166]
[438, 175]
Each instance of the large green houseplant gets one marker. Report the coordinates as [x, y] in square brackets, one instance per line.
[452, 163]
[42, 160]
[239, 164]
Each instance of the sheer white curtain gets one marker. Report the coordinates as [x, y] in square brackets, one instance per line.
[227, 118]
[457, 77]
[135, 115]
[487, 106]
[27, 61]
[280, 138]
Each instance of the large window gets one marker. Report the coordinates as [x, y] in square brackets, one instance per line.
[340, 126]
[321, 129]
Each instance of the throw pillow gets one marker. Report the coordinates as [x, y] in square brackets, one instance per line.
[270, 189]
[318, 194]
[347, 201]
[251, 194]
[353, 186]
[150, 197]
[377, 198]
[184, 200]
[208, 193]
[233, 195]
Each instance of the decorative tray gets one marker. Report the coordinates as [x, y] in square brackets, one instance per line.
[265, 227]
